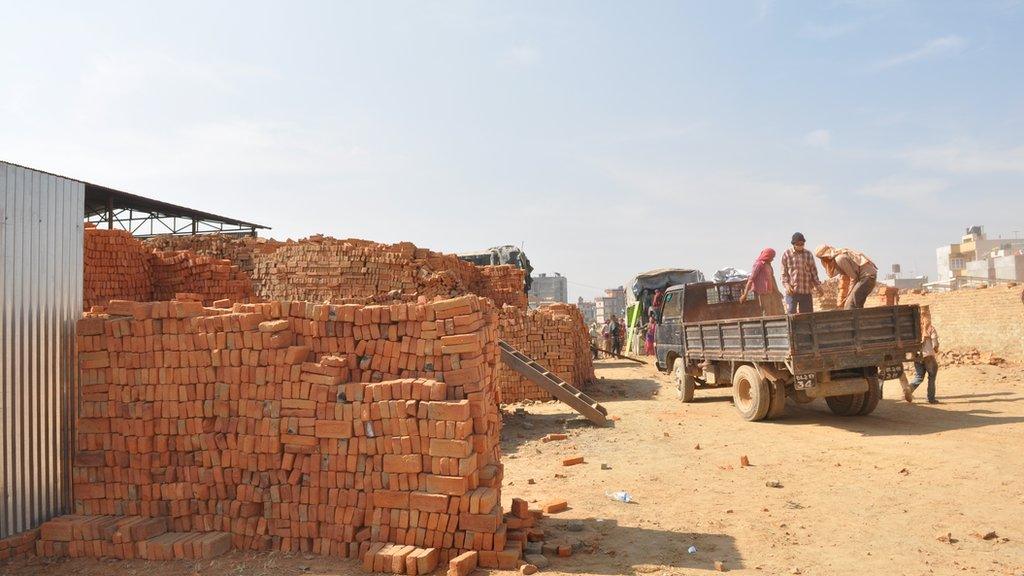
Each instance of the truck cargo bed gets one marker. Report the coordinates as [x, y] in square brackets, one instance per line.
[830, 340]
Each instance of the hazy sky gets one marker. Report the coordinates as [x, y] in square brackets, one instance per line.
[608, 138]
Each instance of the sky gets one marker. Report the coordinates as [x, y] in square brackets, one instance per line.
[605, 138]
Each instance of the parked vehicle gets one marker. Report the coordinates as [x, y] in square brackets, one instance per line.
[709, 338]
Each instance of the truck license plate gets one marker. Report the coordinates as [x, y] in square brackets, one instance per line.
[804, 381]
[890, 372]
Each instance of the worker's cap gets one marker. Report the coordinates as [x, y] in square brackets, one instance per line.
[797, 237]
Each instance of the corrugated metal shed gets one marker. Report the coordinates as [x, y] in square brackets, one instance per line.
[40, 299]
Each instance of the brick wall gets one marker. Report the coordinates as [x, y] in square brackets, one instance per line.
[988, 319]
[296, 426]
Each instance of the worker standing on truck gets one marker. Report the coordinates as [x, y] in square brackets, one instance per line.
[762, 283]
[857, 272]
[799, 277]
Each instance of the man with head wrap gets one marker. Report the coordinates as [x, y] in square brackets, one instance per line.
[857, 272]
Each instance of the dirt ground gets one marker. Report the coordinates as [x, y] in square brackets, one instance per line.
[912, 489]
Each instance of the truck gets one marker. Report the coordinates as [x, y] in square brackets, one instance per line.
[709, 337]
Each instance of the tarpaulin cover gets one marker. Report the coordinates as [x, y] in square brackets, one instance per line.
[729, 274]
[662, 278]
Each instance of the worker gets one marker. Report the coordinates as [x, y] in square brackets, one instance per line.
[656, 303]
[595, 339]
[928, 364]
[652, 329]
[762, 283]
[799, 277]
[857, 273]
[611, 326]
[620, 337]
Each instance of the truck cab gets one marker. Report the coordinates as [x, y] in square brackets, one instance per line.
[697, 302]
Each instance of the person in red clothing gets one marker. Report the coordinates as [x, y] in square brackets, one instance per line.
[762, 283]
[656, 302]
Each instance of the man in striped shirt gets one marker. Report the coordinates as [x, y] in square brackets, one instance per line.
[799, 277]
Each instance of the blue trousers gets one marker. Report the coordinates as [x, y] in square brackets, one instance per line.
[928, 366]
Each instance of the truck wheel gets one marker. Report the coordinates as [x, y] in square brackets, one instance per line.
[778, 404]
[871, 397]
[845, 405]
[685, 383]
[750, 393]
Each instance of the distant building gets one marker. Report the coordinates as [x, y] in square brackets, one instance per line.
[588, 309]
[548, 290]
[978, 259]
[612, 303]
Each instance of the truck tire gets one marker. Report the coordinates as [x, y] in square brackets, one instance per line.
[751, 394]
[777, 408]
[846, 405]
[685, 383]
[871, 397]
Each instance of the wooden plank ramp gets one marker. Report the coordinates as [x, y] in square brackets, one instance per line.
[558, 388]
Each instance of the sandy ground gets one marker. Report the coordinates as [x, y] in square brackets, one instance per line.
[869, 495]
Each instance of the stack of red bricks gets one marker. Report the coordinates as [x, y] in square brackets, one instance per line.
[125, 538]
[296, 426]
[326, 269]
[20, 545]
[505, 285]
[211, 278]
[556, 337]
[241, 251]
[116, 266]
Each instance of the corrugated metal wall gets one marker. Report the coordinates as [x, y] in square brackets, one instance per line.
[40, 300]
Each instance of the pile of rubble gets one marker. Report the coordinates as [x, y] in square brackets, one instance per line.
[293, 426]
[556, 337]
[969, 357]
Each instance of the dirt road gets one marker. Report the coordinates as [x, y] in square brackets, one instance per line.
[866, 495]
[859, 496]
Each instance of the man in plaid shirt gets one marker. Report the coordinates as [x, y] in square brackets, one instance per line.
[799, 277]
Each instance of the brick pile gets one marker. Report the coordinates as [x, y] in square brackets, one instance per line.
[209, 278]
[553, 335]
[296, 426]
[504, 285]
[829, 298]
[325, 269]
[20, 545]
[116, 266]
[126, 538]
[240, 250]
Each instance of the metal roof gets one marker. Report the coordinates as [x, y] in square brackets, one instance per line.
[100, 199]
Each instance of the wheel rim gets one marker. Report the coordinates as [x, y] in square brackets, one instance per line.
[744, 399]
[678, 374]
